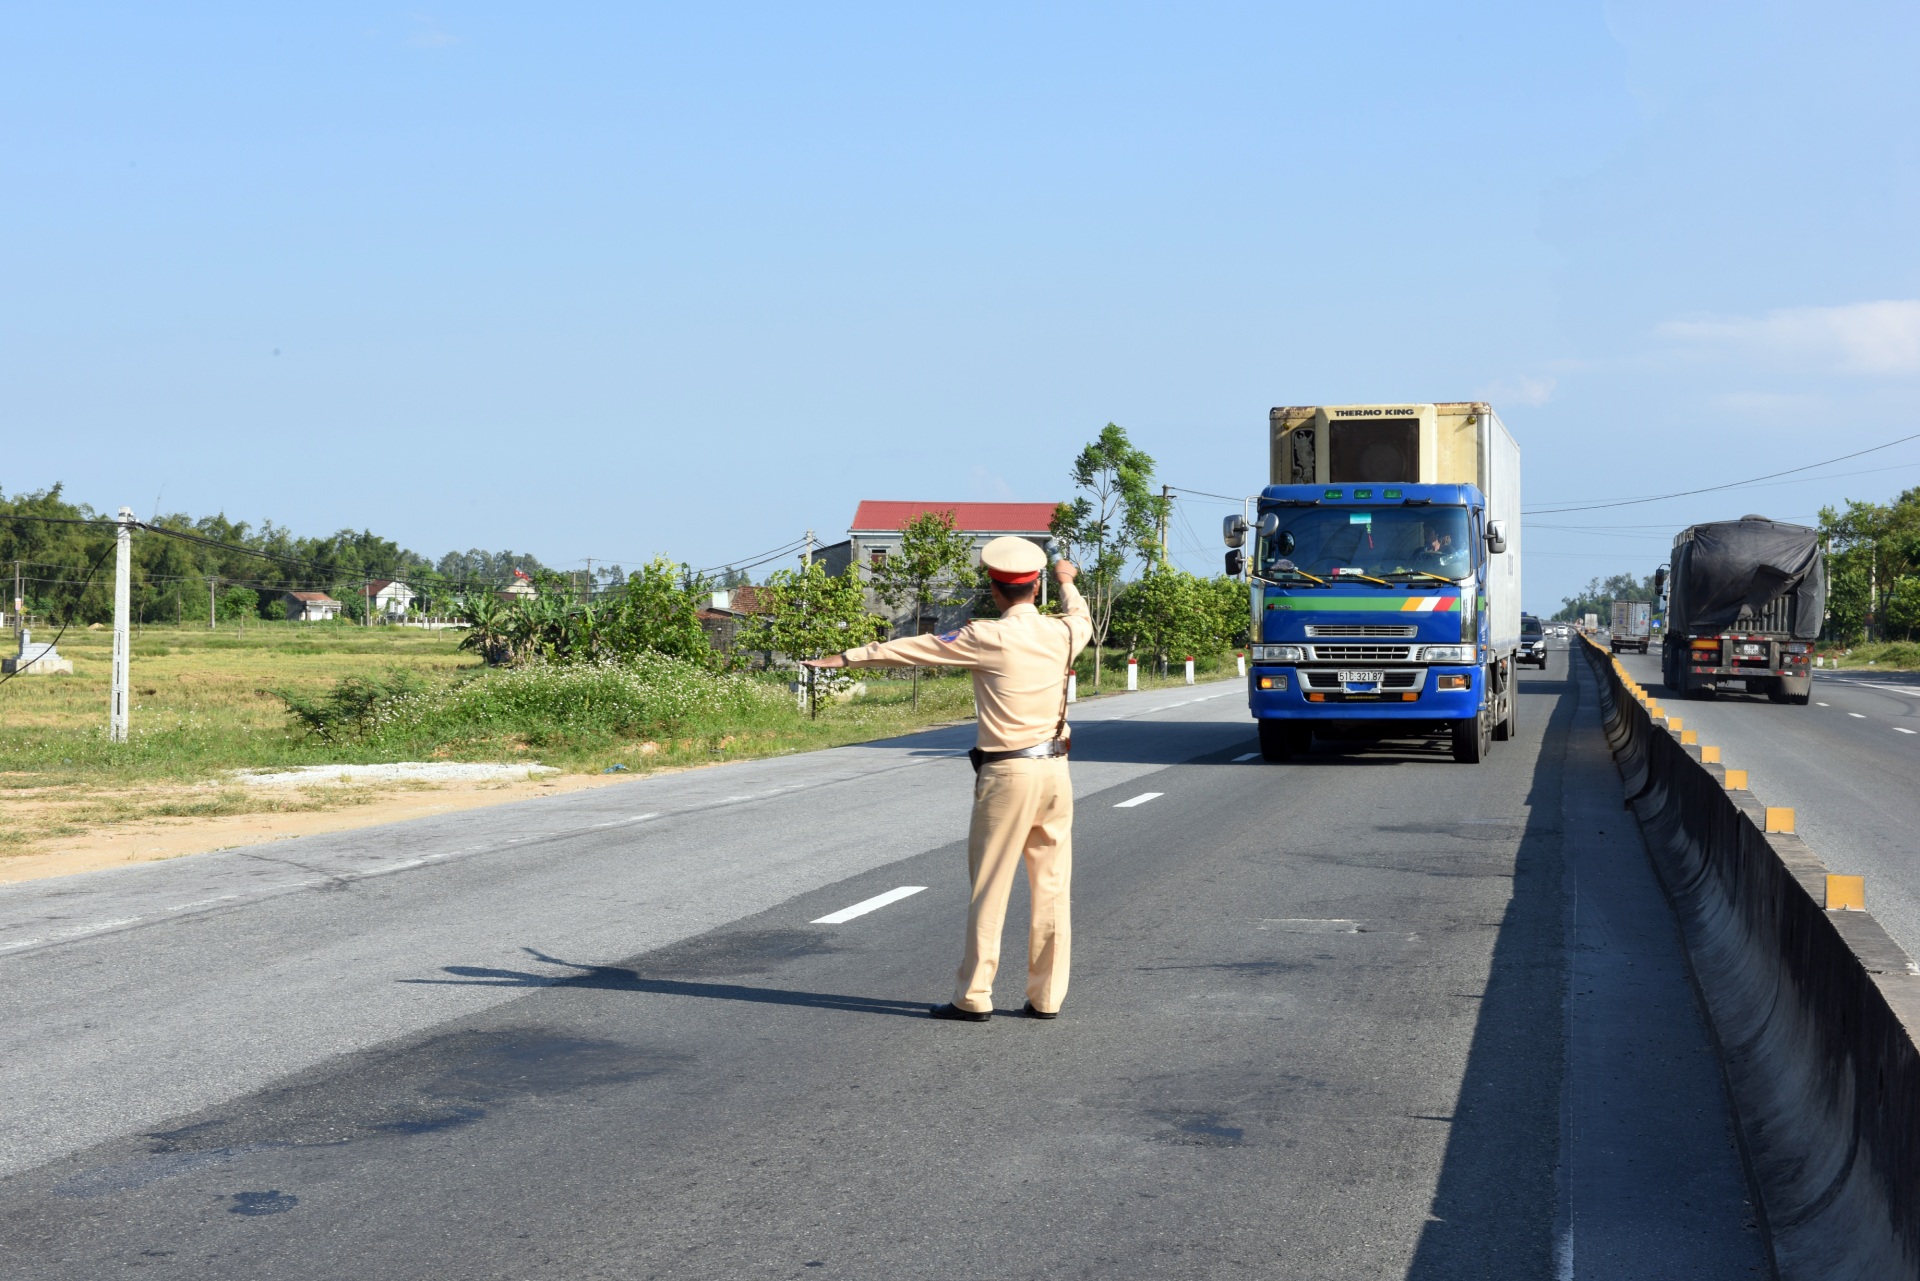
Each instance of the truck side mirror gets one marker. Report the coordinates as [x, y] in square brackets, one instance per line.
[1233, 529]
[1496, 536]
[1236, 563]
[1659, 580]
[1269, 525]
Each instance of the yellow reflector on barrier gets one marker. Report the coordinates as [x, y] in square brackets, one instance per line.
[1846, 893]
[1688, 738]
[1779, 818]
[1709, 755]
[1675, 723]
[1736, 780]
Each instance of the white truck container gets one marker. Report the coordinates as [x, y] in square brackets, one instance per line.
[1631, 626]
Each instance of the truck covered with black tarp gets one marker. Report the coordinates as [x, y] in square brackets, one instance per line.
[1745, 600]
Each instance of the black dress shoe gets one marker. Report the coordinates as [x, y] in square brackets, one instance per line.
[1032, 1013]
[958, 1015]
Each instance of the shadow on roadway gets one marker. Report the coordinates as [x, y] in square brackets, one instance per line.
[615, 978]
[1493, 1208]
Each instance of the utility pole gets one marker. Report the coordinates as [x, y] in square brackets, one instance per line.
[808, 558]
[1166, 505]
[19, 598]
[213, 606]
[589, 599]
[122, 648]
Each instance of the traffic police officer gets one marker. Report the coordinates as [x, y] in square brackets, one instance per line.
[1022, 797]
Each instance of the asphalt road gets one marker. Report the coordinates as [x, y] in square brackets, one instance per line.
[1371, 1014]
[1846, 763]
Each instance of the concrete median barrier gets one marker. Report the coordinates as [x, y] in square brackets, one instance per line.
[1814, 1010]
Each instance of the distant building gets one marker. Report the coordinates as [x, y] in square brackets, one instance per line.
[391, 599]
[521, 588]
[725, 610]
[310, 607]
[875, 535]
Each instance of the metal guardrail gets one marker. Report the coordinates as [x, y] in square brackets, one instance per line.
[1814, 1006]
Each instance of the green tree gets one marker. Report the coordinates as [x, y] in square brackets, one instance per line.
[1874, 548]
[1170, 613]
[658, 609]
[806, 613]
[932, 569]
[237, 603]
[1115, 518]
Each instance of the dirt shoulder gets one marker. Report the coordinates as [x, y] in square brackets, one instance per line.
[310, 812]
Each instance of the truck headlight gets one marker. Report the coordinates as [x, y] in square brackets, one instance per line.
[1446, 654]
[1278, 654]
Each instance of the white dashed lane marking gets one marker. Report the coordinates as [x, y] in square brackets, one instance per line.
[1141, 799]
[864, 906]
[1858, 716]
[1899, 729]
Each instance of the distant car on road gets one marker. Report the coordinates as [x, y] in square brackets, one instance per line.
[1533, 642]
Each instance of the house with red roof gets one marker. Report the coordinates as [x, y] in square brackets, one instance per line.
[875, 535]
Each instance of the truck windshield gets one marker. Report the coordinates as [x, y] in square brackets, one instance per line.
[1381, 541]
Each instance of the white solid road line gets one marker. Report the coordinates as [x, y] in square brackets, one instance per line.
[1141, 799]
[864, 906]
[1250, 756]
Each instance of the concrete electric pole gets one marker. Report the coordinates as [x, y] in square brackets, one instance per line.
[122, 648]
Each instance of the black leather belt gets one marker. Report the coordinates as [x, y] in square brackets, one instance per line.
[1040, 751]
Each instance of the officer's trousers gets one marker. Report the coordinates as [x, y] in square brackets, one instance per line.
[1022, 809]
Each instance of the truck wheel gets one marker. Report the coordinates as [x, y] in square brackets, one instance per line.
[1472, 739]
[1670, 673]
[1283, 740]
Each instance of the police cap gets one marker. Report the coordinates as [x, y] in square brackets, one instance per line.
[1013, 561]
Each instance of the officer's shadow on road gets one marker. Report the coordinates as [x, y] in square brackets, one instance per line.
[616, 978]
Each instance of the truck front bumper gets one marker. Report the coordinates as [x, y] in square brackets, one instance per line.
[1428, 703]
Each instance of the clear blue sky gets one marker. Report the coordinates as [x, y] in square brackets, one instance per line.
[618, 280]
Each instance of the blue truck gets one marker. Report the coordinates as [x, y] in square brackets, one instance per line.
[1383, 567]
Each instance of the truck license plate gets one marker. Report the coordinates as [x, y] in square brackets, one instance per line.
[1361, 678]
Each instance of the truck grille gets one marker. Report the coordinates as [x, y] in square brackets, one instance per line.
[1360, 653]
[1316, 631]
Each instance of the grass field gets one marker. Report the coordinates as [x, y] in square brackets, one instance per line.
[207, 703]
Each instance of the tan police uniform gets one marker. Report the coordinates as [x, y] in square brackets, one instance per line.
[1022, 805]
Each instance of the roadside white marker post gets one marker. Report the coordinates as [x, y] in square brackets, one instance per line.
[122, 606]
[1073, 687]
[1240, 660]
[1133, 673]
[1189, 669]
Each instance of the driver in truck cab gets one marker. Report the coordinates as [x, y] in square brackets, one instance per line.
[1437, 551]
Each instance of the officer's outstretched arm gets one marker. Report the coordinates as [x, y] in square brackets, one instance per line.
[1079, 620]
[960, 648]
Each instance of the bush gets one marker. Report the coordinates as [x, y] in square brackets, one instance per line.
[643, 696]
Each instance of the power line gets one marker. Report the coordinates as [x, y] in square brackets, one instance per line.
[1201, 493]
[1710, 489]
